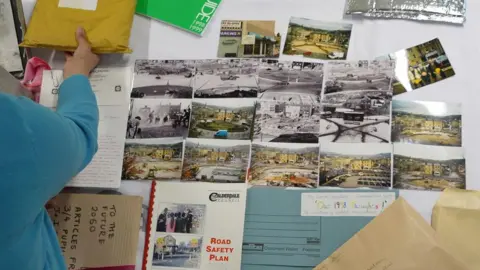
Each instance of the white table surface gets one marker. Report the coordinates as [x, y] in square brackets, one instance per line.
[370, 38]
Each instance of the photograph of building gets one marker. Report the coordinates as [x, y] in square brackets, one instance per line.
[223, 161]
[222, 78]
[295, 82]
[427, 122]
[177, 251]
[277, 121]
[317, 39]
[244, 39]
[355, 165]
[426, 167]
[181, 218]
[356, 101]
[222, 119]
[163, 79]
[152, 159]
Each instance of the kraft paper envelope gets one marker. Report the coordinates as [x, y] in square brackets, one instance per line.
[397, 239]
[456, 218]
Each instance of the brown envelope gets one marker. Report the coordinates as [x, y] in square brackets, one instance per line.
[456, 218]
[398, 239]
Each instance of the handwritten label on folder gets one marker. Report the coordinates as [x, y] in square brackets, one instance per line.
[366, 204]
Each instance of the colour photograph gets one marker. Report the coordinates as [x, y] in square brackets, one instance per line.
[181, 218]
[158, 118]
[355, 165]
[222, 119]
[163, 79]
[284, 122]
[284, 165]
[427, 122]
[152, 159]
[222, 161]
[226, 78]
[317, 39]
[356, 102]
[249, 39]
[295, 82]
[172, 251]
[426, 167]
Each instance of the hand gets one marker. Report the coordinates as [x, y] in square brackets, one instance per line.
[82, 61]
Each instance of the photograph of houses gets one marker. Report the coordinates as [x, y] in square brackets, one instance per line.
[427, 122]
[208, 160]
[284, 164]
[152, 159]
[355, 165]
[163, 79]
[222, 119]
[317, 39]
[226, 78]
[177, 251]
[356, 102]
[426, 167]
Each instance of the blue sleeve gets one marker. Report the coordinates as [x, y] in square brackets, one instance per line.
[41, 150]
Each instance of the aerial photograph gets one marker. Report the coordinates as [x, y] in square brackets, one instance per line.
[222, 161]
[284, 164]
[427, 122]
[427, 167]
[355, 165]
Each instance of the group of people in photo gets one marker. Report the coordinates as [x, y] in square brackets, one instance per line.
[425, 74]
[175, 222]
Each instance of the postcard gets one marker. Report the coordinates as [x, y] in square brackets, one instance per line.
[152, 159]
[419, 66]
[317, 39]
[158, 118]
[294, 82]
[292, 229]
[426, 167]
[222, 119]
[355, 165]
[277, 121]
[356, 101]
[163, 78]
[226, 78]
[244, 39]
[427, 122]
[284, 165]
[221, 161]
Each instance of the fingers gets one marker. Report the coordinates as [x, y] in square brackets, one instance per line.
[68, 55]
[81, 37]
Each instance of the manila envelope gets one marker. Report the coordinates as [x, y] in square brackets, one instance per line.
[397, 239]
[456, 218]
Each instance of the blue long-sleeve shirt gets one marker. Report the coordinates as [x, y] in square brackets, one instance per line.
[40, 151]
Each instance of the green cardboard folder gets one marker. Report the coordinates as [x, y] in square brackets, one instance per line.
[190, 15]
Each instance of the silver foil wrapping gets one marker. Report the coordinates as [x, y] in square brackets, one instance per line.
[450, 11]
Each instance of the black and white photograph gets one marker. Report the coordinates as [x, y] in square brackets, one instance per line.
[356, 102]
[171, 251]
[163, 79]
[295, 82]
[181, 218]
[226, 78]
[158, 118]
[277, 121]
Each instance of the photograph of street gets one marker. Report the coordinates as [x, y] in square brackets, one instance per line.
[181, 218]
[317, 39]
[284, 164]
[356, 102]
[249, 39]
[427, 122]
[222, 78]
[177, 250]
[152, 159]
[158, 118]
[295, 82]
[427, 167]
[355, 165]
[222, 119]
[284, 122]
[163, 79]
[222, 161]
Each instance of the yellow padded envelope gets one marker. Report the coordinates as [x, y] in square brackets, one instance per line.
[106, 22]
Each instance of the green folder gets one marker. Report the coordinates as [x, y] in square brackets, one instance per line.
[190, 15]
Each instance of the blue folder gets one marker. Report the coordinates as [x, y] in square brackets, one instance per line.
[276, 236]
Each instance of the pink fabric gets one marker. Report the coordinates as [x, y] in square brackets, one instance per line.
[32, 79]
